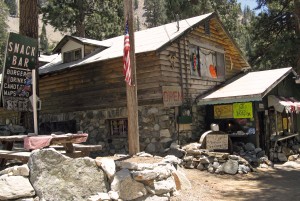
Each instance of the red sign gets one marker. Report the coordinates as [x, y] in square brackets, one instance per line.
[172, 96]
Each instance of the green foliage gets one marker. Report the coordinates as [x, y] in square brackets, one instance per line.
[12, 6]
[275, 39]
[3, 32]
[136, 4]
[186, 9]
[155, 12]
[97, 19]
[229, 12]
[44, 40]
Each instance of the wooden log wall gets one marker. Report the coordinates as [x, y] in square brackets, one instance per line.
[99, 85]
[193, 86]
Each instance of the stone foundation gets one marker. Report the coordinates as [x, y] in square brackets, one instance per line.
[157, 127]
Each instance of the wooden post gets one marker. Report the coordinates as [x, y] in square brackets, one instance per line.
[131, 91]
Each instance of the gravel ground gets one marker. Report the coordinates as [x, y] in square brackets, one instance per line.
[279, 183]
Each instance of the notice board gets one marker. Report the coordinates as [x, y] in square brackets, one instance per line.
[16, 85]
[217, 142]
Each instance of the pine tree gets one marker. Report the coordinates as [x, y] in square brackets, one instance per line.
[276, 35]
[136, 4]
[86, 18]
[155, 12]
[11, 4]
[44, 40]
[3, 32]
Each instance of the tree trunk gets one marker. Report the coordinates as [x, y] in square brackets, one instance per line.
[29, 18]
[297, 25]
[80, 26]
[29, 27]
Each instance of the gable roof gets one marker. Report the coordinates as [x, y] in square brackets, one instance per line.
[251, 87]
[145, 41]
[80, 40]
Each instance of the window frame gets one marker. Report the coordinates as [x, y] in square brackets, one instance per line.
[113, 131]
[72, 55]
[218, 50]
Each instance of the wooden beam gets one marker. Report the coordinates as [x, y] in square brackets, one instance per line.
[131, 91]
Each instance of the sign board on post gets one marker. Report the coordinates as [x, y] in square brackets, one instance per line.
[16, 85]
[217, 142]
[172, 96]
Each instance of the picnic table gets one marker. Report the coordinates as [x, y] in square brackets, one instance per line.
[68, 144]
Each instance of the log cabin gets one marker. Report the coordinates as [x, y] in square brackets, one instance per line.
[83, 89]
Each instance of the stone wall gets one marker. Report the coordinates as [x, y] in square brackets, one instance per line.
[157, 127]
[52, 176]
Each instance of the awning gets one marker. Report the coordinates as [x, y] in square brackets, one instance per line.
[289, 104]
[253, 86]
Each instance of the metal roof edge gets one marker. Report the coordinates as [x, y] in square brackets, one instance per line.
[213, 14]
[235, 99]
[277, 81]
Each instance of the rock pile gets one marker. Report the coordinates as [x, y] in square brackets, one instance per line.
[256, 157]
[52, 176]
[283, 149]
[214, 162]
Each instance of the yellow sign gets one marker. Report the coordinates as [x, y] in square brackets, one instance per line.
[242, 110]
[223, 111]
[285, 123]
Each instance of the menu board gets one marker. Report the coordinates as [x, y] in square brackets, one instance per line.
[242, 110]
[217, 142]
[16, 85]
[223, 111]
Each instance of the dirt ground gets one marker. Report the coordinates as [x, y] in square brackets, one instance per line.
[280, 183]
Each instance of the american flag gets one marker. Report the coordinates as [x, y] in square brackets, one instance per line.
[126, 56]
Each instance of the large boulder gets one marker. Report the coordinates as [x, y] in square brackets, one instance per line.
[13, 187]
[58, 177]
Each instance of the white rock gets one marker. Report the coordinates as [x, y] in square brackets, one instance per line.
[104, 196]
[22, 170]
[13, 187]
[113, 195]
[108, 166]
[231, 166]
[164, 186]
[127, 188]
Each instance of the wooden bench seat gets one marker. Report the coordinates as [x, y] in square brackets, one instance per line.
[22, 156]
[80, 147]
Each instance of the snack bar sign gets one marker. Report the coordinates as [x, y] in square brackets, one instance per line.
[16, 85]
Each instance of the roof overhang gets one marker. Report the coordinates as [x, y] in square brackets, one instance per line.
[256, 86]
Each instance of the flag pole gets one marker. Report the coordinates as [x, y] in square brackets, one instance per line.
[131, 91]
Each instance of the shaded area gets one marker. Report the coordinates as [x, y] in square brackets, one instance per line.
[280, 183]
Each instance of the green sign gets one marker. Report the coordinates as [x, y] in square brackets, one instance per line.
[16, 85]
[242, 110]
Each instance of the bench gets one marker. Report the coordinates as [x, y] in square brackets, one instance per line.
[23, 156]
[84, 148]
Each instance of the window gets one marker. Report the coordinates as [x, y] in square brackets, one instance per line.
[72, 55]
[206, 63]
[118, 127]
